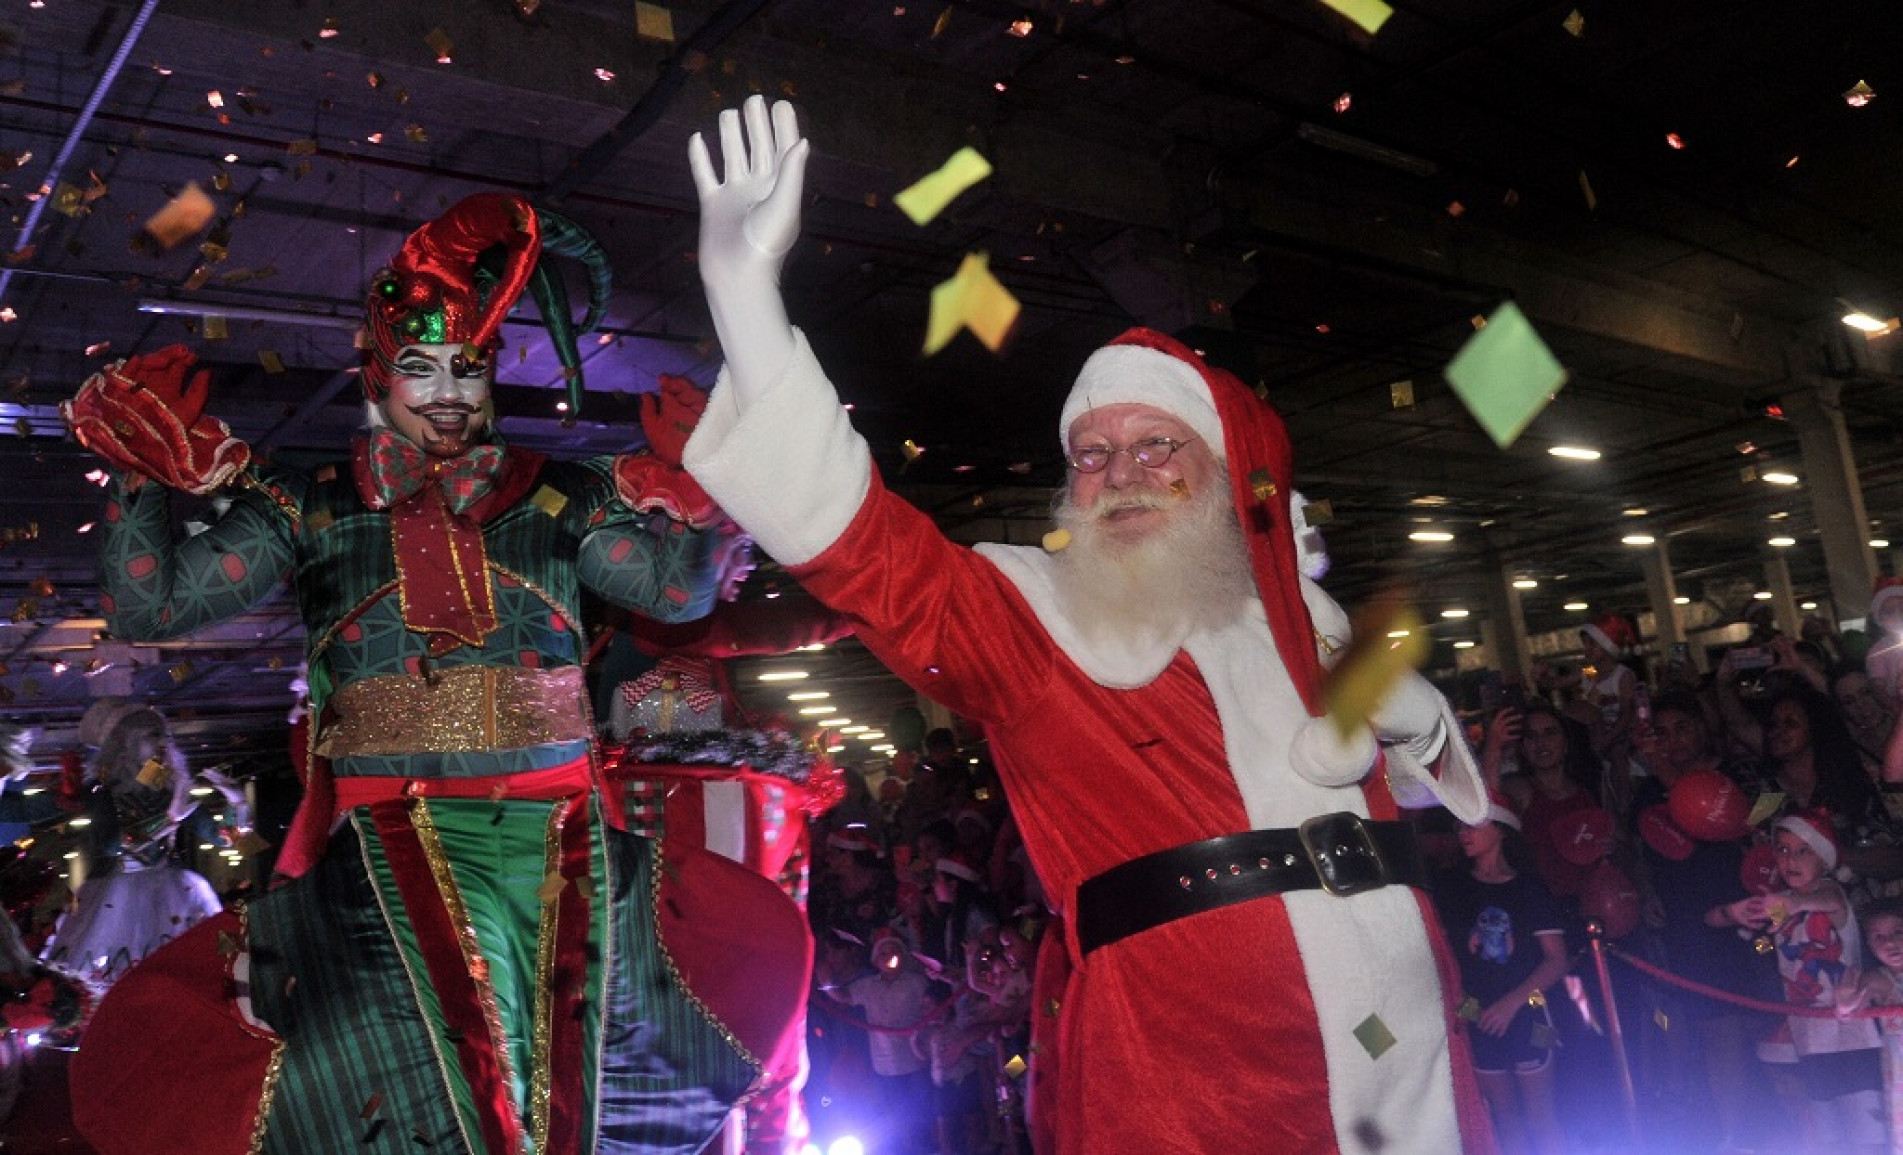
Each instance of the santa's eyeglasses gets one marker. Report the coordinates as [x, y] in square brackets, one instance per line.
[1151, 453]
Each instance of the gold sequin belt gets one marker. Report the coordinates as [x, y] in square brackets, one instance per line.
[461, 708]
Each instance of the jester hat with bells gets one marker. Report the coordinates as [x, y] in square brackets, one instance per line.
[457, 278]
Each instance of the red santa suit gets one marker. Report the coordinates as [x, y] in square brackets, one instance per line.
[1232, 1030]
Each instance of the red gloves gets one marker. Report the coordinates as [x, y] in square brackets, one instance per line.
[655, 480]
[144, 416]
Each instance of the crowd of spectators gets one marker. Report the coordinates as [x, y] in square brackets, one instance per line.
[1729, 829]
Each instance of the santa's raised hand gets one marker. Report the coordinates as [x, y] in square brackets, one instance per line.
[749, 219]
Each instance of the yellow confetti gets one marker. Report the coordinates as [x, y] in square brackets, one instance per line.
[1389, 641]
[154, 775]
[182, 216]
[1016, 1066]
[181, 671]
[1318, 513]
[1057, 541]
[930, 194]
[227, 945]
[1585, 189]
[1369, 14]
[1575, 23]
[320, 520]
[1860, 94]
[912, 450]
[549, 501]
[973, 299]
[273, 364]
[440, 44]
[1373, 1034]
[551, 889]
[653, 22]
[1401, 395]
[1768, 803]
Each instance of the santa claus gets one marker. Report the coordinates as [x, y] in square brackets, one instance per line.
[1255, 966]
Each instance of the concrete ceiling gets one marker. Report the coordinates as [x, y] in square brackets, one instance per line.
[1177, 164]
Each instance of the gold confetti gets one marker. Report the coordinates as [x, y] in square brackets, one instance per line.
[440, 44]
[1057, 541]
[1389, 641]
[653, 22]
[1401, 395]
[154, 775]
[321, 520]
[1016, 1066]
[1374, 1036]
[972, 299]
[551, 888]
[1262, 483]
[549, 501]
[227, 945]
[416, 133]
[912, 450]
[1318, 513]
[1860, 94]
[182, 217]
[273, 364]
[180, 672]
[1767, 804]
[928, 196]
[1469, 1009]
[301, 148]
[1575, 24]
[943, 22]
[1585, 189]
[69, 200]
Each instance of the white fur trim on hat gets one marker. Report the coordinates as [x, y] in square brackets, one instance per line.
[1884, 594]
[1598, 635]
[1821, 841]
[1496, 813]
[956, 869]
[1135, 375]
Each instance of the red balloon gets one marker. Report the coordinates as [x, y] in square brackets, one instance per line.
[1709, 806]
[1759, 872]
[1663, 835]
[1583, 837]
[1610, 897]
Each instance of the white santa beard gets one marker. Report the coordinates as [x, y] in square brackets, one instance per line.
[1189, 572]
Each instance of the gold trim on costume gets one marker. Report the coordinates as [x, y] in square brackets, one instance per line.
[474, 960]
[544, 1026]
[461, 708]
[656, 865]
[272, 1069]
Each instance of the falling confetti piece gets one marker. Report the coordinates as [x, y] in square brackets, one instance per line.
[182, 217]
[1585, 189]
[1663, 1020]
[929, 195]
[549, 501]
[1860, 94]
[971, 299]
[440, 44]
[8, 316]
[1389, 640]
[912, 450]
[216, 328]
[329, 29]
[371, 1108]
[1318, 513]
[273, 364]
[1401, 395]
[1456, 210]
[653, 22]
[1056, 541]
[943, 22]
[1469, 1009]
[1016, 1066]
[180, 672]
[1675, 140]
[1369, 14]
[551, 889]
[1505, 374]
[98, 347]
[1373, 1034]
[215, 98]
[416, 133]
[1768, 803]
[154, 775]
[1575, 23]
[69, 200]
[1344, 102]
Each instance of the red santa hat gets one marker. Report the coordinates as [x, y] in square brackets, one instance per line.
[857, 841]
[1612, 632]
[1814, 829]
[1887, 590]
[1144, 367]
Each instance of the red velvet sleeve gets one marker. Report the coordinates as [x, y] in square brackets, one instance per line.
[941, 617]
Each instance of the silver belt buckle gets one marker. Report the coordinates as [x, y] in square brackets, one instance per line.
[1343, 852]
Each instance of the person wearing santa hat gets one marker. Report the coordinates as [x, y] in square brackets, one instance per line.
[1256, 966]
[1813, 926]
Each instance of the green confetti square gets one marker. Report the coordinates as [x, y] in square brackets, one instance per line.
[1469, 1009]
[1505, 374]
[1374, 1035]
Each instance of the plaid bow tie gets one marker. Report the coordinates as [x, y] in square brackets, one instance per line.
[693, 677]
[400, 470]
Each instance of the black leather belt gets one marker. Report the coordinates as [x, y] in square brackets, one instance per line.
[1341, 853]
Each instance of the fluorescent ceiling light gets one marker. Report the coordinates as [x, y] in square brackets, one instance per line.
[815, 711]
[165, 308]
[1637, 539]
[1635, 512]
[1574, 452]
[1808, 606]
[1681, 600]
[808, 695]
[1430, 535]
[1463, 645]
[1574, 606]
[854, 729]
[783, 676]
[1864, 322]
[835, 721]
[1783, 542]
[1525, 584]
[1779, 477]
[1762, 595]
[1453, 612]
[1879, 543]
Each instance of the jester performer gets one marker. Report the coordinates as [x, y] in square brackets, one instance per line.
[466, 955]
[1255, 965]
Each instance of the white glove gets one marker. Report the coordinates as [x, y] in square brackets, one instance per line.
[1411, 716]
[747, 224]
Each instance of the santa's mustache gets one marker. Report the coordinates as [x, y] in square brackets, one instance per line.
[1108, 504]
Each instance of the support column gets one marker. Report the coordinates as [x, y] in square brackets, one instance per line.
[1896, 563]
[1777, 578]
[1667, 615]
[1505, 627]
[1830, 476]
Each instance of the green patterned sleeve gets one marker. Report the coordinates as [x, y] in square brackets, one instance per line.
[159, 586]
[664, 570]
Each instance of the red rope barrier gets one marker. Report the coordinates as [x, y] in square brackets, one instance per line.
[1724, 996]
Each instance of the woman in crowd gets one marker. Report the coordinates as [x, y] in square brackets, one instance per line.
[1559, 777]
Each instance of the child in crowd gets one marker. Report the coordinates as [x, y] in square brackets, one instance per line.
[1882, 985]
[1506, 933]
[896, 1000]
[1814, 930]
